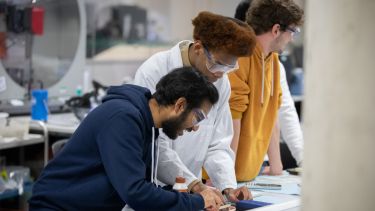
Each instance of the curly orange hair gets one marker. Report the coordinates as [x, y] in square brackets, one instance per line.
[225, 34]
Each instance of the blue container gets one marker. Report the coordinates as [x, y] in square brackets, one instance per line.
[39, 109]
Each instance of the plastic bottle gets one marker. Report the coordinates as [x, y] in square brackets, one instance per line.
[180, 184]
[39, 108]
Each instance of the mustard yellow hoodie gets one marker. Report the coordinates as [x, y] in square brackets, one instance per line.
[255, 99]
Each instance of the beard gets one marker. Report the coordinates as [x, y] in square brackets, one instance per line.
[279, 45]
[172, 126]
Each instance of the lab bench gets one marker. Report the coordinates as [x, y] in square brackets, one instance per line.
[7, 143]
[288, 198]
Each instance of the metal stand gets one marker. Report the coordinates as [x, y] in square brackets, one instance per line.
[46, 141]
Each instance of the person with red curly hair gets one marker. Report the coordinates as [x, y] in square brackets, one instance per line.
[218, 43]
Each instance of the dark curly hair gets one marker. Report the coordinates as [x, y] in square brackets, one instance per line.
[263, 14]
[185, 82]
[220, 33]
[242, 9]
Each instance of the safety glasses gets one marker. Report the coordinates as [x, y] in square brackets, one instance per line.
[215, 66]
[294, 31]
[199, 116]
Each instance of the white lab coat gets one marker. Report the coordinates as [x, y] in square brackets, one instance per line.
[290, 127]
[209, 146]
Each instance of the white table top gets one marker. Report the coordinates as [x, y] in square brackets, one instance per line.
[65, 123]
[287, 199]
[6, 143]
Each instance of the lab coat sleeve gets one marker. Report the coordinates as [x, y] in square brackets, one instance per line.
[121, 149]
[219, 161]
[169, 163]
[290, 127]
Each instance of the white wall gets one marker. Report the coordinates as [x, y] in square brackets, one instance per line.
[177, 14]
[339, 104]
[182, 12]
[175, 17]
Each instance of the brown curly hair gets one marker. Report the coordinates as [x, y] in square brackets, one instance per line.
[263, 14]
[225, 34]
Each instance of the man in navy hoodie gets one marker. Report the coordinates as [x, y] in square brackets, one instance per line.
[110, 159]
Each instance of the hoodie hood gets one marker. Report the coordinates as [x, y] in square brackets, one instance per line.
[133, 93]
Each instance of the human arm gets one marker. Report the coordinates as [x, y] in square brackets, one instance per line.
[219, 158]
[236, 135]
[224, 136]
[276, 166]
[235, 195]
[242, 193]
[290, 126]
[239, 100]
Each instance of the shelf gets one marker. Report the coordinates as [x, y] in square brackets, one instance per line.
[6, 143]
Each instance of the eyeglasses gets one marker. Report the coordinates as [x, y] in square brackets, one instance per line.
[294, 31]
[199, 116]
[215, 66]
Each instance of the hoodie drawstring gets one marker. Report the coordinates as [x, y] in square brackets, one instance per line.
[263, 73]
[152, 155]
[262, 96]
[157, 163]
[272, 72]
[154, 164]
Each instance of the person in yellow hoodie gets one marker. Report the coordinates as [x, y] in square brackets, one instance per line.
[256, 92]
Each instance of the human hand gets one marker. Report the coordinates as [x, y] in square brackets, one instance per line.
[199, 187]
[234, 195]
[212, 201]
[273, 170]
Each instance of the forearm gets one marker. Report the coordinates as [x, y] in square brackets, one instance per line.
[274, 151]
[236, 135]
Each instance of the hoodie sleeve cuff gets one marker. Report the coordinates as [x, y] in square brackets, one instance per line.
[197, 201]
[236, 114]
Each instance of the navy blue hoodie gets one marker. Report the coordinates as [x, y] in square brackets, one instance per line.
[106, 163]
